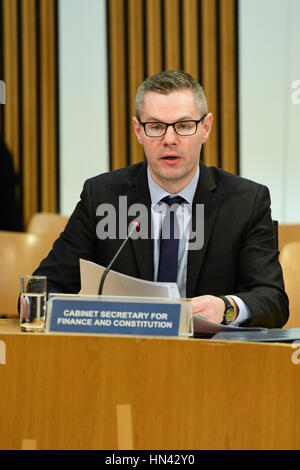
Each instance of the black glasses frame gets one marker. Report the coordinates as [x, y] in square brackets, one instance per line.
[173, 124]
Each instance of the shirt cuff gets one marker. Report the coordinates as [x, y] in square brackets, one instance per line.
[244, 311]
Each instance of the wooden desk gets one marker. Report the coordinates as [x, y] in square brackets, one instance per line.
[92, 392]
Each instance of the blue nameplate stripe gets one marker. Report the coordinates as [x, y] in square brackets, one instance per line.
[114, 317]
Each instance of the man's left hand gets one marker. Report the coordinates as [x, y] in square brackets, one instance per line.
[211, 307]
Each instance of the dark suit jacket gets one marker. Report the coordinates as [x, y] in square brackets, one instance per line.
[238, 256]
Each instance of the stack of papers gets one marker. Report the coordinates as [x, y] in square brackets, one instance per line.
[121, 284]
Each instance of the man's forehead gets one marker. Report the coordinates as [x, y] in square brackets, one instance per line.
[178, 102]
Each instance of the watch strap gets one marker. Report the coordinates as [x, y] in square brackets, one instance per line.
[228, 307]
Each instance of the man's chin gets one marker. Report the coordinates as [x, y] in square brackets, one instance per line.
[172, 174]
[172, 178]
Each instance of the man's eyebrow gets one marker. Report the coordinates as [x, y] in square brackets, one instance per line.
[184, 118]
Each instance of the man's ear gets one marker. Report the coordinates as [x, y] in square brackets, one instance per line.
[137, 129]
[207, 125]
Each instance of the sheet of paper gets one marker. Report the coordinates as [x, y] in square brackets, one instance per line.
[121, 284]
[206, 329]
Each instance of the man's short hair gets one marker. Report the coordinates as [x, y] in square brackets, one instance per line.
[167, 81]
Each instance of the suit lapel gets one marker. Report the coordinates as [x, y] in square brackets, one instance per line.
[204, 195]
[142, 248]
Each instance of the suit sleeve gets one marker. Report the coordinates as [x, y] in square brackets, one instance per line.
[261, 284]
[61, 266]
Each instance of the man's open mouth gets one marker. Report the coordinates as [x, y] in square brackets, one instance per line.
[170, 157]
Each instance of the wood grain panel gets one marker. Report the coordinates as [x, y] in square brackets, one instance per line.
[10, 59]
[228, 85]
[196, 35]
[118, 120]
[172, 35]
[176, 402]
[30, 114]
[191, 34]
[124, 424]
[136, 70]
[48, 105]
[29, 95]
[209, 75]
[28, 444]
[153, 34]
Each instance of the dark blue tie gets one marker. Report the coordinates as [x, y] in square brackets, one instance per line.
[168, 253]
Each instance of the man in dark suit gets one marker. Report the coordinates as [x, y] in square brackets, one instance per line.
[236, 270]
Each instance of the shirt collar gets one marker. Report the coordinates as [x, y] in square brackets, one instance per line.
[187, 193]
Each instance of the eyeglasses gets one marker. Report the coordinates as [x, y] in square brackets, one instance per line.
[183, 128]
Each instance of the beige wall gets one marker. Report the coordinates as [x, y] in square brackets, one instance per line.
[269, 113]
[82, 96]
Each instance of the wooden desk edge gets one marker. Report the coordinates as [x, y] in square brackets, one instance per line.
[10, 326]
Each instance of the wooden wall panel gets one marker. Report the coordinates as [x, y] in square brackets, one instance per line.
[199, 36]
[172, 34]
[144, 37]
[118, 92]
[48, 106]
[29, 109]
[136, 70]
[10, 75]
[210, 75]
[153, 37]
[191, 35]
[228, 85]
[30, 115]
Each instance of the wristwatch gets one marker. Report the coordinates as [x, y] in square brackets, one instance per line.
[229, 313]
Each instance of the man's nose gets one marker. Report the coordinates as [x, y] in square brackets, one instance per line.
[170, 136]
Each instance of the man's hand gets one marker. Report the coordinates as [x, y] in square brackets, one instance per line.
[211, 307]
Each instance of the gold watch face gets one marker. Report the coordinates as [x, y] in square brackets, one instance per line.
[229, 315]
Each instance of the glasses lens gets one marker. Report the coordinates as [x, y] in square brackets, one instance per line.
[185, 127]
[155, 129]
